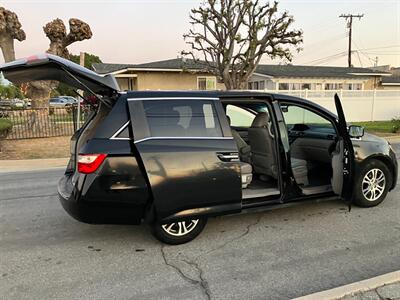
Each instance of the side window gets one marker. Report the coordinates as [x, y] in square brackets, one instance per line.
[182, 118]
[239, 116]
[300, 118]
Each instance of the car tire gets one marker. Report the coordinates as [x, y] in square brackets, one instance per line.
[373, 183]
[178, 232]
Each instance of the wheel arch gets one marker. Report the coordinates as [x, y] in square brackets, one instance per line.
[384, 159]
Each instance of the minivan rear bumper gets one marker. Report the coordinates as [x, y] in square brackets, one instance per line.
[93, 212]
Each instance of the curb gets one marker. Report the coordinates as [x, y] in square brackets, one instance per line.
[23, 165]
[353, 288]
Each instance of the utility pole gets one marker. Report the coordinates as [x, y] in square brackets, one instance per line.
[376, 61]
[349, 19]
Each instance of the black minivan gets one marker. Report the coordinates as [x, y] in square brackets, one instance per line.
[172, 159]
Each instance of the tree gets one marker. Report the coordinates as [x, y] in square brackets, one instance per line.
[232, 36]
[64, 89]
[11, 92]
[39, 91]
[10, 29]
[90, 59]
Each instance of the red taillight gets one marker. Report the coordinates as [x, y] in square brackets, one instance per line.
[89, 163]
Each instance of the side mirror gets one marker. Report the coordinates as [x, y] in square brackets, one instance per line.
[356, 131]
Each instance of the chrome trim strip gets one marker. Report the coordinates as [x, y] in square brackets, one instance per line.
[183, 138]
[114, 136]
[173, 98]
[228, 156]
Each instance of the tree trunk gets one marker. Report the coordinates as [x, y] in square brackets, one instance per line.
[7, 47]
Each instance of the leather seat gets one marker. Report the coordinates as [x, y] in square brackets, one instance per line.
[262, 143]
[243, 147]
[300, 171]
[247, 174]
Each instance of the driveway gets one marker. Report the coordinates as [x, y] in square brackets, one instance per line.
[278, 254]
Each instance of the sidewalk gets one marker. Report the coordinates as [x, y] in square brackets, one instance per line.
[32, 164]
[386, 286]
[390, 291]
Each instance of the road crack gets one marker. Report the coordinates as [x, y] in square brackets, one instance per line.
[202, 283]
[246, 232]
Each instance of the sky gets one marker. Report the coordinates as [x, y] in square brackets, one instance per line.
[138, 31]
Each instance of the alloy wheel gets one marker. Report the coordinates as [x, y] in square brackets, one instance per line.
[373, 184]
[180, 228]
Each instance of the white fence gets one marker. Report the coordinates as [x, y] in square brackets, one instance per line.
[365, 105]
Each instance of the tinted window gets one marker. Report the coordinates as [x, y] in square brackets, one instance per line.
[182, 118]
[239, 116]
[296, 117]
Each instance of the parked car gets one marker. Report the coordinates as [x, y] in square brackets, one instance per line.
[172, 159]
[59, 102]
[17, 103]
[4, 103]
[70, 99]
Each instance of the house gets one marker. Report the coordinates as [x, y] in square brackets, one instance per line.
[186, 74]
[389, 82]
[172, 74]
[291, 77]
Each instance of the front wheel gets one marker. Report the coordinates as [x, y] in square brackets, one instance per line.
[373, 184]
[179, 232]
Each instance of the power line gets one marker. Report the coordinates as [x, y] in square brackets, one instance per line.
[349, 19]
[326, 58]
[384, 47]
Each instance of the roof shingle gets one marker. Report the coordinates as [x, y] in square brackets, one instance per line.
[269, 70]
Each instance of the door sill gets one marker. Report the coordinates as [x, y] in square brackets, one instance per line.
[259, 193]
[319, 189]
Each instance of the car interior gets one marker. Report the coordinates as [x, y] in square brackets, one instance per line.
[253, 134]
[312, 139]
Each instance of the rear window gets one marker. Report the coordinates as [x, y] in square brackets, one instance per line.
[182, 118]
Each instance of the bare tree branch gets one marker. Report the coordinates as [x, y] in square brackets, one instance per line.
[231, 37]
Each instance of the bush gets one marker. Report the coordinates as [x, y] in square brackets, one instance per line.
[396, 124]
[5, 127]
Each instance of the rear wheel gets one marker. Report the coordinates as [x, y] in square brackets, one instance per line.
[372, 184]
[179, 232]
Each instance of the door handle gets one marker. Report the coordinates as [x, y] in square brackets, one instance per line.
[228, 156]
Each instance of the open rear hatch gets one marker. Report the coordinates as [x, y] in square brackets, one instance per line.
[51, 67]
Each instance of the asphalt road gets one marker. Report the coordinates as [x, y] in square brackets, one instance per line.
[279, 254]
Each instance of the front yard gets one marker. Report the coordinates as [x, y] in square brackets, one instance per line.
[379, 126]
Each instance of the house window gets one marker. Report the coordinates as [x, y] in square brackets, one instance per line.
[333, 86]
[257, 85]
[357, 86]
[306, 86]
[206, 83]
[347, 86]
[283, 86]
[316, 86]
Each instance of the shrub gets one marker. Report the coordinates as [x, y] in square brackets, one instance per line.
[396, 124]
[5, 127]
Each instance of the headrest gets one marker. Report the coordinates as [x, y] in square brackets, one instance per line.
[229, 120]
[261, 120]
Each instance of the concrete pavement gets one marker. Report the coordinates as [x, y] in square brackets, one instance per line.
[32, 164]
[279, 254]
[385, 286]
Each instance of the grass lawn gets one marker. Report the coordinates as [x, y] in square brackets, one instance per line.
[377, 126]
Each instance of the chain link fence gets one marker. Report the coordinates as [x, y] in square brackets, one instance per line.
[28, 123]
